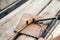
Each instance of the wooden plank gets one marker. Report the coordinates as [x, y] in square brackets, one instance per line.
[36, 7]
[8, 27]
[22, 37]
[51, 11]
[56, 32]
[10, 15]
[54, 9]
[28, 10]
[4, 3]
[50, 15]
[7, 18]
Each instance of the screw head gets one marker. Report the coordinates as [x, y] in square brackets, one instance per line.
[15, 31]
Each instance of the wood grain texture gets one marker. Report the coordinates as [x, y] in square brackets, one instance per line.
[16, 18]
[33, 9]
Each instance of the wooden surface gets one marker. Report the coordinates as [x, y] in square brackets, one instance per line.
[6, 30]
[4, 3]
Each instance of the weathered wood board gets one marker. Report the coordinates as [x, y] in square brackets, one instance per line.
[32, 4]
[33, 8]
[4, 3]
[10, 15]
